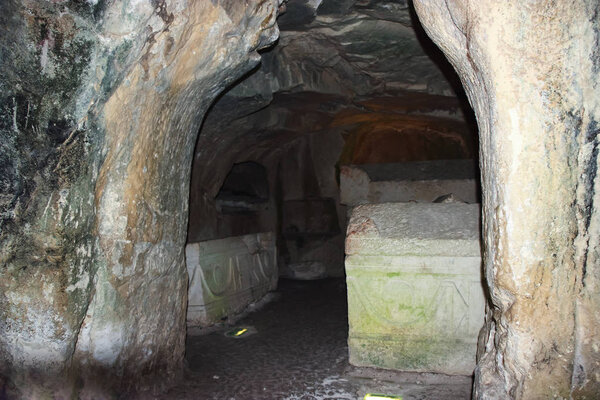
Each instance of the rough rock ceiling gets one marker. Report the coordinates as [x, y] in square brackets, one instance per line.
[353, 46]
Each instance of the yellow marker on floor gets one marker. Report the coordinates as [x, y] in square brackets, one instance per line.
[240, 332]
[373, 396]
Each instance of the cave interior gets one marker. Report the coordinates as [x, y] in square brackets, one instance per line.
[347, 94]
[296, 199]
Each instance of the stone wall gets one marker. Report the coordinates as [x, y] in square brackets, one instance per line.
[531, 71]
[101, 105]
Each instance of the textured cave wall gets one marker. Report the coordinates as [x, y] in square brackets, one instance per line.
[531, 70]
[311, 217]
[347, 83]
[300, 166]
[300, 163]
[226, 143]
[101, 104]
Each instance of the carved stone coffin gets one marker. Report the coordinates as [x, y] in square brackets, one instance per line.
[415, 297]
[420, 181]
[226, 275]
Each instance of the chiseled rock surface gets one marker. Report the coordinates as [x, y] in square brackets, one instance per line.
[415, 295]
[359, 48]
[226, 275]
[100, 106]
[531, 70]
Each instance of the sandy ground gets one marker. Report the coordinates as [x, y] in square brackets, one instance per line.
[295, 348]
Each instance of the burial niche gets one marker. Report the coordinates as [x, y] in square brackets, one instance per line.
[245, 189]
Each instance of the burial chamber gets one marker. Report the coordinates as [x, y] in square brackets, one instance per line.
[108, 150]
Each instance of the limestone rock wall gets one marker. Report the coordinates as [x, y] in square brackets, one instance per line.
[100, 107]
[531, 72]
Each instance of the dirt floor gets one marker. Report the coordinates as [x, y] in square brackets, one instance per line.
[295, 348]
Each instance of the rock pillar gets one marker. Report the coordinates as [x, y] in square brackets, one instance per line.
[531, 71]
[100, 108]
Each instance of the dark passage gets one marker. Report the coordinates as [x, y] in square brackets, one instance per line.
[295, 348]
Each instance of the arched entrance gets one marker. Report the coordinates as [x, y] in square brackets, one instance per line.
[308, 134]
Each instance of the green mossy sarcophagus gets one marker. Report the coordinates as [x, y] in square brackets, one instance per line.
[415, 297]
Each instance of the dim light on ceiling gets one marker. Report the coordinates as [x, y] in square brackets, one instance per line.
[373, 396]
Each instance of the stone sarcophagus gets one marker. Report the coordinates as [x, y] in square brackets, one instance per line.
[415, 296]
[226, 275]
[419, 181]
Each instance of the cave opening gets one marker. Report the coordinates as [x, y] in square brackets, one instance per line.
[346, 131]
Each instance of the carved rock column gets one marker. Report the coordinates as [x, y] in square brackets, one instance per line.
[531, 70]
[101, 105]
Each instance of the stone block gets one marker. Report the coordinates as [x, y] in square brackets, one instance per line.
[226, 275]
[415, 296]
[421, 181]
